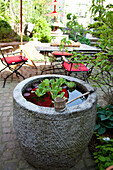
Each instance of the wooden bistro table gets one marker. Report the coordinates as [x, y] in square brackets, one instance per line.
[86, 49]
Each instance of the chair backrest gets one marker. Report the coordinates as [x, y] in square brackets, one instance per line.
[9, 48]
[12, 58]
[3, 50]
[31, 52]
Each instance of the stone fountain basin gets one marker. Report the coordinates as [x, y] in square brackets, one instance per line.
[53, 140]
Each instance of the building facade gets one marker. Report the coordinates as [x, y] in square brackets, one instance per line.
[80, 9]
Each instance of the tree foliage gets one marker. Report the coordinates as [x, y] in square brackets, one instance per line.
[31, 10]
[101, 64]
[74, 28]
[42, 30]
[3, 10]
[103, 29]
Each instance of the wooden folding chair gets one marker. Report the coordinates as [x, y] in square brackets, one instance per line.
[13, 61]
[31, 52]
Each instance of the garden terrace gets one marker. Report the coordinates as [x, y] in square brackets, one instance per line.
[11, 155]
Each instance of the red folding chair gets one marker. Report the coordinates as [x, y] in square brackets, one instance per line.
[72, 67]
[56, 65]
[13, 61]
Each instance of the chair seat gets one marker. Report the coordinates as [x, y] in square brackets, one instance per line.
[15, 59]
[75, 67]
[61, 53]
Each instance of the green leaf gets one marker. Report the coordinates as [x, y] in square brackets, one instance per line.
[71, 84]
[109, 149]
[107, 164]
[103, 117]
[108, 124]
[54, 85]
[99, 146]
[61, 95]
[111, 118]
[97, 126]
[101, 130]
[102, 158]
[101, 167]
[46, 82]
[52, 81]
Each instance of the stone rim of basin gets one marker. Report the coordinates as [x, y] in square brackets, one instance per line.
[18, 97]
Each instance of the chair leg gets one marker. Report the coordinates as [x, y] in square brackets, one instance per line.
[48, 69]
[3, 69]
[13, 71]
[10, 75]
[20, 75]
[4, 84]
[42, 72]
[6, 79]
[69, 73]
[85, 77]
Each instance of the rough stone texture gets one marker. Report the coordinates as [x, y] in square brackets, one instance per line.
[49, 138]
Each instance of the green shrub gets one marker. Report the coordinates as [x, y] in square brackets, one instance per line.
[104, 153]
[83, 40]
[42, 30]
[25, 38]
[104, 119]
[6, 32]
[74, 28]
[103, 65]
[5, 29]
[5, 40]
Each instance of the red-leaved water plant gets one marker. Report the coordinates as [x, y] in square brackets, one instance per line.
[45, 93]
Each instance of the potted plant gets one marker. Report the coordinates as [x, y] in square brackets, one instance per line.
[110, 168]
[49, 138]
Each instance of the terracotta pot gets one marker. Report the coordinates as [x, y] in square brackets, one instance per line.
[110, 168]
